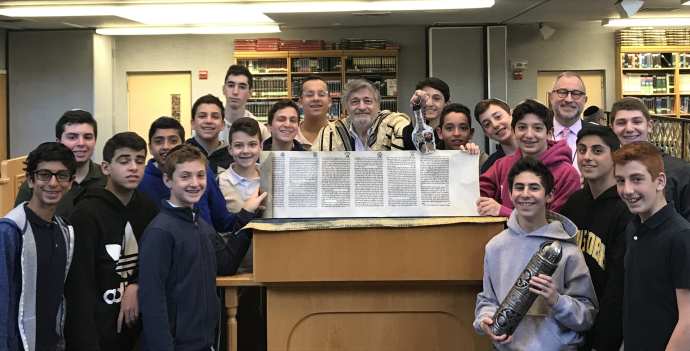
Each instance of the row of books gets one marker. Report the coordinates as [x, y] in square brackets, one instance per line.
[335, 86]
[653, 36]
[685, 104]
[316, 64]
[659, 104]
[275, 44]
[273, 65]
[648, 83]
[684, 60]
[269, 87]
[260, 109]
[648, 60]
[374, 64]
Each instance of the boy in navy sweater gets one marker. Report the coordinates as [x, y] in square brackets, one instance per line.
[166, 133]
[179, 257]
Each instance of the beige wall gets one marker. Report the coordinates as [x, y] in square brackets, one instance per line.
[215, 53]
[581, 46]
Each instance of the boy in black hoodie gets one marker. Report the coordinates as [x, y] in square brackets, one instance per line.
[180, 255]
[101, 291]
[601, 218]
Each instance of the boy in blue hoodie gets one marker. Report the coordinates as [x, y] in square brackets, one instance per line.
[179, 257]
[566, 304]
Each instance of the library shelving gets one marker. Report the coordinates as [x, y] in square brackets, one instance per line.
[279, 74]
[659, 75]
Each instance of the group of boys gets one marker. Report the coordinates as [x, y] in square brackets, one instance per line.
[126, 263]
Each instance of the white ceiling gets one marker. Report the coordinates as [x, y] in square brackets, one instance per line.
[554, 12]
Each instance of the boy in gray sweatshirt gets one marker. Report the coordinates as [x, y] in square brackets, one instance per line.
[566, 304]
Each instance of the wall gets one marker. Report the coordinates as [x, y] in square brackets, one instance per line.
[102, 90]
[578, 46]
[3, 49]
[49, 73]
[215, 54]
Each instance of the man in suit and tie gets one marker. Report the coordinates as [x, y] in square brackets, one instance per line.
[567, 100]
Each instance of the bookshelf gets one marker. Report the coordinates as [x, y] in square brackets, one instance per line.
[657, 74]
[279, 75]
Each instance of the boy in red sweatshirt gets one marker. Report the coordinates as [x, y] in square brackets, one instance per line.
[532, 126]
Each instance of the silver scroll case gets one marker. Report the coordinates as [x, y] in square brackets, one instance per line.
[519, 299]
[422, 135]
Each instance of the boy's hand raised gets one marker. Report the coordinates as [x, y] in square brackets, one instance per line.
[470, 148]
[255, 202]
[485, 324]
[487, 206]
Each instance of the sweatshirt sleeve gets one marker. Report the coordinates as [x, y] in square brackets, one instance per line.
[487, 303]
[155, 260]
[577, 304]
[223, 220]
[9, 254]
[607, 333]
[489, 183]
[229, 254]
[567, 183]
[81, 290]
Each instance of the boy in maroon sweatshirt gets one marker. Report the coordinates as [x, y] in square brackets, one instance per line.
[532, 125]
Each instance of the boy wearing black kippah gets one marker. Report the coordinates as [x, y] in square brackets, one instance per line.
[601, 218]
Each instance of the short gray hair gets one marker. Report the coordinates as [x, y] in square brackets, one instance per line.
[569, 74]
[357, 85]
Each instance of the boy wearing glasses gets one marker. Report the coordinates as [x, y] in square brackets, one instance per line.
[101, 290]
[35, 253]
[315, 101]
[567, 100]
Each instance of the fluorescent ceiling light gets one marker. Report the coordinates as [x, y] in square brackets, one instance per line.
[647, 22]
[685, 2]
[192, 14]
[358, 6]
[57, 11]
[273, 28]
[158, 15]
[237, 11]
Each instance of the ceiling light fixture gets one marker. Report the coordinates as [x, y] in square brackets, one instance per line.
[357, 6]
[189, 30]
[546, 31]
[685, 2]
[647, 22]
[628, 8]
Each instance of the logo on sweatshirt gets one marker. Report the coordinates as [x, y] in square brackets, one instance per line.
[112, 296]
[591, 244]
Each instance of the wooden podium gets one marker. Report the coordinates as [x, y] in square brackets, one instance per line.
[376, 288]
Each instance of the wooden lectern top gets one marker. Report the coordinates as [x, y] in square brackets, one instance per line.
[444, 249]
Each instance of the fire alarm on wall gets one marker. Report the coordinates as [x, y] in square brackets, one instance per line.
[518, 67]
[203, 74]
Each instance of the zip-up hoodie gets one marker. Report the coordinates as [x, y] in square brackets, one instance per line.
[179, 257]
[105, 260]
[211, 206]
[560, 327]
[494, 183]
[18, 273]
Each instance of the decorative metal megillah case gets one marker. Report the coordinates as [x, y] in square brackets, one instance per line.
[519, 298]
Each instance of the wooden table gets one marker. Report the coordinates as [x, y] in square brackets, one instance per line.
[362, 289]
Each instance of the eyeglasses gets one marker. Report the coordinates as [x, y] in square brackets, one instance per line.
[311, 94]
[45, 175]
[563, 93]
